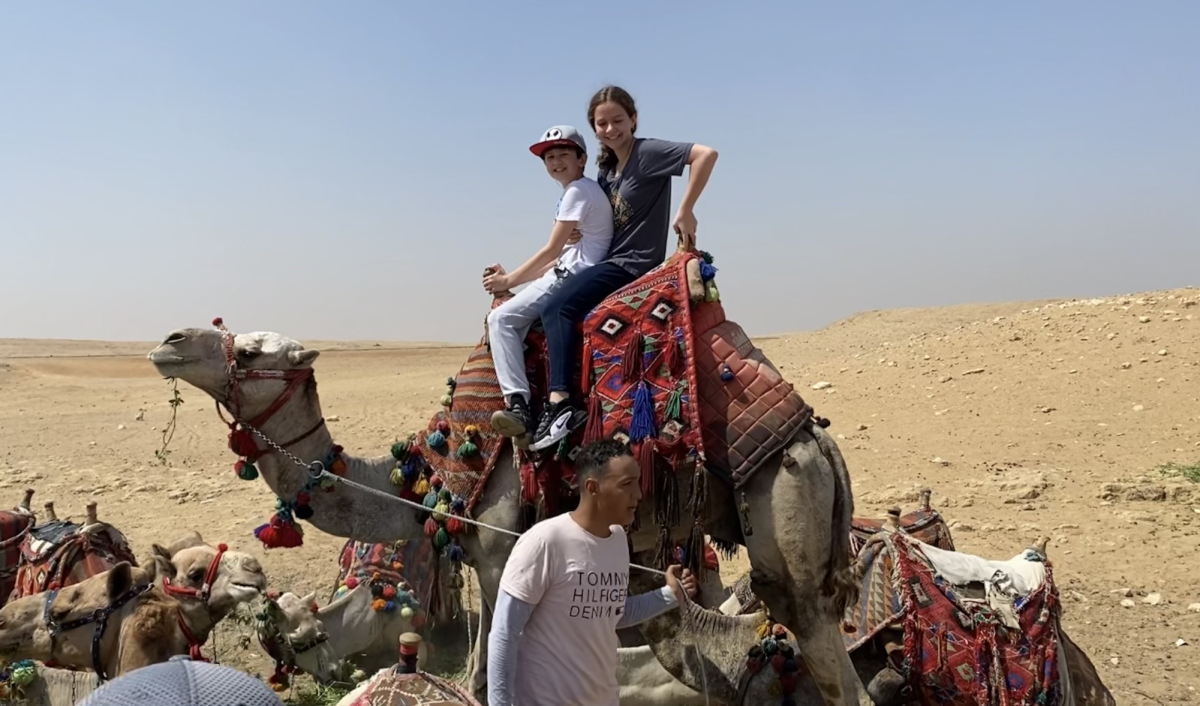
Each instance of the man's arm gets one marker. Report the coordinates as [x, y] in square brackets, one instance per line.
[640, 608]
[508, 622]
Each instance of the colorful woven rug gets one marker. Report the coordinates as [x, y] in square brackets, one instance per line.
[420, 689]
[957, 652]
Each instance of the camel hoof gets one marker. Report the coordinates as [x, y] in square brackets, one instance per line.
[886, 688]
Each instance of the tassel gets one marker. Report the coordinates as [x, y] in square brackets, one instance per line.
[441, 540]
[707, 271]
[529, 485]
[455, 525]
[666, 497]
[675, 405]
[631, 358]
[585, 379]
[711, 294]
[279, 533]
[400, 451]
[646, 459]
[672, 354]
[436, 440]
[663, 550]
[642, 425]
[594, 430]
[431, 527]
[241, 442]
[421, 487]
[467, 449]
[726, 373]
[397, 476]
[696, 550]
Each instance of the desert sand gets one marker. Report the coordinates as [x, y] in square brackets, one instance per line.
[1023, 418]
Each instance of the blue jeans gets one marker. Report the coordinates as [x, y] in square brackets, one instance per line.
[566, 309]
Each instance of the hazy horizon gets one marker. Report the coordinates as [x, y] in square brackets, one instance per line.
[344, 173]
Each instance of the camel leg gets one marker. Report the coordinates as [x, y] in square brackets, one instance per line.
[791, 516]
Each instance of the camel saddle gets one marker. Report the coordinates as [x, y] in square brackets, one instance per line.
[925, 523]
[60, 553]
[14, 528]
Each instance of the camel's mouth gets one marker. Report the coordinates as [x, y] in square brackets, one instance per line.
[246, 590]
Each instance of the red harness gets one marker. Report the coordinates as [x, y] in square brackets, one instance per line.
[241, 441]
[201, 594]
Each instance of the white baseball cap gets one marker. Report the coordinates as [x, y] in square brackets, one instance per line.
[558, 136]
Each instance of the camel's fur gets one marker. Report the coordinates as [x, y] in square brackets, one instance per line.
[145, 630]
[353, 629]
[800, 509]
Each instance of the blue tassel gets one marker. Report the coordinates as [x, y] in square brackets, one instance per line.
[726, 373]
[458, 505]
[642, 425]
[437, 440]
[410, 470]
[707, 271]
[455, 553]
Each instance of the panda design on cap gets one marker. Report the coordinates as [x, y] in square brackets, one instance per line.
[552, 134]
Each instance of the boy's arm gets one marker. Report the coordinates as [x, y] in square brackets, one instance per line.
[543, 259]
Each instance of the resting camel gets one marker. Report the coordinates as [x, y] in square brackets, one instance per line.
[798, 502]
[320, 640]
[130, 617]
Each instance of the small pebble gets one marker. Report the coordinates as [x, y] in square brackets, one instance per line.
[1126, 603]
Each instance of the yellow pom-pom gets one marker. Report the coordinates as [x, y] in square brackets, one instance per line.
[471, 430]
[421, 487]
[278, 688]
[439, 512]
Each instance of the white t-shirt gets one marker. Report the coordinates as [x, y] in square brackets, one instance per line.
[583, 200]
[578, 583]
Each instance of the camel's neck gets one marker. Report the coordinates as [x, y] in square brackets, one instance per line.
[352, 624]
[346, 511]
[198, 618]
[681, 638]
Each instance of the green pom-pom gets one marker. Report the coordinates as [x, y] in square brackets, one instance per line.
[710, 292]
[246, 470]
[706, 256]
[442, 539]
[22, 674]
[397, 477]
[447, 399]
[400, 451]
[445, 496]
[467, 449]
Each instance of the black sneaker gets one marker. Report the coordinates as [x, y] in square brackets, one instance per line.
[558, 421]
[513, 422]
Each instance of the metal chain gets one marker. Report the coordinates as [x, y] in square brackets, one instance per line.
[316, 471]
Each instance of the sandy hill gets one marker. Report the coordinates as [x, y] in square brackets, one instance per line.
[1057, 417]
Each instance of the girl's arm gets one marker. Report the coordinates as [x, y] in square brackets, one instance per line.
[702, 160]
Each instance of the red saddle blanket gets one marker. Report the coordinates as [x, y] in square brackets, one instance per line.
[14, 527]
[959, 651]
[58, 554]
[660, 368]
[392, 688]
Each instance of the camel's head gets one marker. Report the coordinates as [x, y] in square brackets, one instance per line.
[201, 357]
[186, 566]
[300, 626]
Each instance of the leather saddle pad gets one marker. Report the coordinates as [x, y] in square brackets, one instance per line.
[748, 411]
[926, 525]
[14, 527]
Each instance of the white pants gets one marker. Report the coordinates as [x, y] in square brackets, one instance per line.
[508, 325]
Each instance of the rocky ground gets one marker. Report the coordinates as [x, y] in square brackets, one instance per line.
[1076, 419]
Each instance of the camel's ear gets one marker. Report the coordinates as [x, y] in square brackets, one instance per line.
[187, 541]
[309, 601]
[120, 580]
[299, 358]
[162, 561]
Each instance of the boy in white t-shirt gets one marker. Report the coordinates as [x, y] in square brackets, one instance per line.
[585, 208]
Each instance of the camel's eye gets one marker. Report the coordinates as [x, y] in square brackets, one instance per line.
[196, 575]
[249, 354]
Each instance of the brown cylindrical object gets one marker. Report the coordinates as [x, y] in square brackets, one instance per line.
[91, 513]
[50, 511]
[28, 499]
[926, 494]
[1040, 545]
[893, 518]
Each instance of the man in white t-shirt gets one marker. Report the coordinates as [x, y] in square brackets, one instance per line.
[583, 207]
[565, 592]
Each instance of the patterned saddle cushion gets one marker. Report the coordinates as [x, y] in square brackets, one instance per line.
[420, 689]
[57, 554]
[926, 524]
[14, 527]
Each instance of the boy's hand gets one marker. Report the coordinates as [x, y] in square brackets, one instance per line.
[574, 237]
[681, 582]
[495, 279]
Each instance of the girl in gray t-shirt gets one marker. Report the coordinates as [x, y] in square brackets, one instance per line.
[636, 174]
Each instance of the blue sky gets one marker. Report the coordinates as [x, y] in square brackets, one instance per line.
[346, 170]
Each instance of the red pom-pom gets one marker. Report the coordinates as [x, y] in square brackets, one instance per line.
[218, 322]
[436, 481]
[352, 583]
[241, 442]
[431, 527]
[444, 427]
[778, 630]
[455, 525]
[414, 450]
[777, 662]
[389, 592]
[303, 498]
[277, 534]
[222, 547]
[419, 620]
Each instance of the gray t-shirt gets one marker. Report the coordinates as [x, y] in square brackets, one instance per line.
[641, 203]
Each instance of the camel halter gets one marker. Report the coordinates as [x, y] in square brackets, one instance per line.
[98, 617]
[296, 379]
[202, 594]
